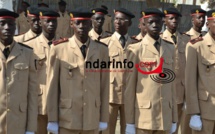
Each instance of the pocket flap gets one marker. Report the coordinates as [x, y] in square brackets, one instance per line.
[168, 61]
[203, 95]
[208, 62]
[65, 103]
[143, 104]
[113, 53]
[70, 65]
[21, 66]
[23, 107]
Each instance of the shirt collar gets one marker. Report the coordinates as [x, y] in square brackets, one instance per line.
[80, 43]
[2, 47]
[151, 40]
[118, 35]
[194, 32]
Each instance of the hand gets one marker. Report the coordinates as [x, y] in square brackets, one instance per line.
[53, 127]
[130, 129]
[173, 128]
[195, 122]
[28, 132]
[102, 126]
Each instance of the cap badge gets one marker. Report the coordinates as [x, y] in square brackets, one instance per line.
[213, 14]
[71, 15]
[41, 14]
[165, 11]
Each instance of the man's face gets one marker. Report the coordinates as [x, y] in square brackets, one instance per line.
[7, 29]
[121, 22]
[142, 26]
[49, 25]
[62, 8]
[198, 20]
[98, 21]
[211, 26]
[81, 27]
[153, 25]
[171, 21]
[34, 22]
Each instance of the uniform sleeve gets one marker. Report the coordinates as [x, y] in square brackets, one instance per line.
[191, 75]
[32, 96]
[53, 87]
[104, 88]
[131, 84]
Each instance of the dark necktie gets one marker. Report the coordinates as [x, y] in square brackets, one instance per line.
[174, 39]
[122, 41]
[49, 43]
[83, 50]
[6, 52]
[157, 46]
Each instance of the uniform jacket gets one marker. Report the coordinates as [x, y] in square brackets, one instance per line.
[25, 37]
[42, 52]
[193, 34]
[22, 23]
[94, 36]
[117, 75]
[78, 97]
[108, 24]
[200, 77]
[148, 104]
[18, 91]
[180, 62]
[63, 26]
[139, 36]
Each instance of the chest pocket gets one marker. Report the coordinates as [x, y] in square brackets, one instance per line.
[40, 61]
[209, 66]
[114, 55]
[21, 70]
[69, 69]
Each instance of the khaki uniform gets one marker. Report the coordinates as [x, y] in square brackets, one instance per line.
[193, 34]
[139, 37]
[63, 27]
[148, 104]
[22, 23]
[117, 81]
[94, 36]
[25, 37]
[78, 97]
[199, 81]
[180, 63]
[42, 52]
[18, 90]
[108, 24]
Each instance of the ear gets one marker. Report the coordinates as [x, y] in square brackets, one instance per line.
[139, 25]
[40, 23]
[207, 24]
[71, 24]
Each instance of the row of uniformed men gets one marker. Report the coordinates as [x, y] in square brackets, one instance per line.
[74, 100]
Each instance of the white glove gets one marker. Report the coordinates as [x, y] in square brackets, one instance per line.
[28, 132]
[102, 126]
[130, 129]
[53, 127]
[195, 122]
[173, 128]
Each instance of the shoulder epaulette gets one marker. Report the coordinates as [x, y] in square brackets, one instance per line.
[134, 40]
[108, 35]
[167, 41]
[20, 34]
[193, 41]
[184, 33]
[101, 43]
[134, 36]
[24, 45]
[56, 42]
[31, 38]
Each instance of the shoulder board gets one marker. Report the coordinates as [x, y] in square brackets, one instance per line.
[134, 40]
[109, 32]
[167, 41]
[105, 36]
[184, 33]
[101, 43]
[134, 36]
[24, 45]
[193, 41]
[20, 34]
[31, 38]
[56, 42]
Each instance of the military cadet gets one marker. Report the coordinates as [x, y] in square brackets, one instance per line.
[78, 98]
[198, 21]
[117, 44]
[108, 21]
[35, 28]
[199, 80]
[41, 46]
[63, 28]
[18, 86]
[98, 19]
[142, 28]
[150, 106]
[22, 21]
[172, 17]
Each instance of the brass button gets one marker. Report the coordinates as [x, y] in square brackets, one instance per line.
[8, 93]
[84, 104]
[85, 90]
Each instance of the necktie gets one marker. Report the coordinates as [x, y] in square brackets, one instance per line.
[157, 46]
[83, 50]
[6, 52]
[174, 39]
[122, 41]
[49, 43]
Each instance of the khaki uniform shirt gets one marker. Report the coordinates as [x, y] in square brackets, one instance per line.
[25, 37]
[94, 36]
[193, 34]
[139, 36]
[22, 23]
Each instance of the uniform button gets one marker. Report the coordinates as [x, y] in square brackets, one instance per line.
[85, 90]
[8, 93]
[84, 104]
[8, 110]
